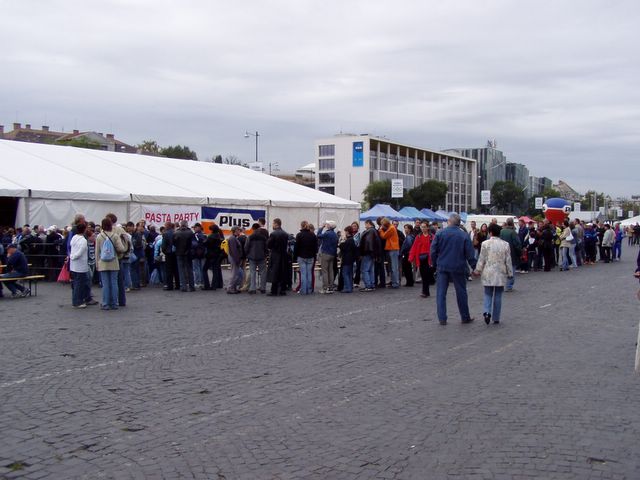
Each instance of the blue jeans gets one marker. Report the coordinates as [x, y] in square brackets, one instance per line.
[347, 278]
[134, 273]
[197, 264]
[306, 275]
[566, 253]
[493, 302]
[237, 274]
[459, 280]
[109, 280]
[122, 282]
[80, 288]
[12, 286]
[367, 271]
[395, 272]
[617, 250]
[125, 269]
[511, 281]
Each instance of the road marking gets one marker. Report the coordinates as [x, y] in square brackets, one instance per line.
[545, 306]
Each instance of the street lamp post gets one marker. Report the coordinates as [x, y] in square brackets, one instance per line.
[247, 134]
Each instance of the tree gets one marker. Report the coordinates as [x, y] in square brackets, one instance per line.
[177, 151]
[149, 147]
[430, 194]
[217, 159]
[378, 192]
[233, 160]
[80, 143]
[507, 196]
[587, 199]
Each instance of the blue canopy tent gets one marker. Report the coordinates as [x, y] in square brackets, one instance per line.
[382, 210]
[413, 213]
[463, 216]
[431, 215]
[442, 214]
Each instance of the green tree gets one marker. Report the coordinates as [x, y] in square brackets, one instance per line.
[217, 159]
[378, 192]
[430, 194]
[80, 143]
[178, 151]
[587, 199]
[507, 197]
[149, 147]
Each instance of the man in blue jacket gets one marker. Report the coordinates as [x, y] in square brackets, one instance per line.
[17, 267]
[328, 251]
[451, 254]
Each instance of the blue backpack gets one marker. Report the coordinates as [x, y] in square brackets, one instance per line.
[108, 251]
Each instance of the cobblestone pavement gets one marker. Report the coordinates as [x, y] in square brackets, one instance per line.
[213, 386]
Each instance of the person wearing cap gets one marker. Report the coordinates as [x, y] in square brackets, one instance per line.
[17, 268]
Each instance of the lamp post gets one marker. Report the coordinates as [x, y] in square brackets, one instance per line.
[247, 134]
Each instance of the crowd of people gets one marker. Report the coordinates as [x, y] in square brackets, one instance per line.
[122, 258]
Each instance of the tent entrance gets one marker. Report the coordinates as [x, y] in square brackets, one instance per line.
[8, 208]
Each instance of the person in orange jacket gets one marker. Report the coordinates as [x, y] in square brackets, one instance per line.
[392, 250]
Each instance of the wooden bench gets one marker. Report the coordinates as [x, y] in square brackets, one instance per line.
[32, 279]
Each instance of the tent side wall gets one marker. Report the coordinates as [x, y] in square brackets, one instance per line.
[44, 211]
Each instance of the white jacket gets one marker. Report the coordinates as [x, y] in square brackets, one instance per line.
[79, 255]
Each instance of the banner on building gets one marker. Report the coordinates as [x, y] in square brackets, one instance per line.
[485, 197]
[630, 213]
[397, 188]
[226, 218]
[577, 206]
[539, 202]
[620, 213]
[358, 154]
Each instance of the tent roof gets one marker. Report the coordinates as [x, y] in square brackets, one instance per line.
[431, 215]
[61, 172]
[630, 221]
[382, 210]
[413, 213]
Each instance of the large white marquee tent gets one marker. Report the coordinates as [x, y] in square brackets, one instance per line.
[54, 182]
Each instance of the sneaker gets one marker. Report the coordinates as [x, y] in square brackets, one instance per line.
[26, 292]
[82, 305]
[91, 302]
[16, 295]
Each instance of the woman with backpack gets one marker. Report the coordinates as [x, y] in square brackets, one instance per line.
[108, 244]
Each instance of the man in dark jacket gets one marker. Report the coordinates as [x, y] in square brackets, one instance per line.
[451, 254]
[277, 245]
[17, 267]
[255, 249]
[169, 250]
[198, 251]
[509, 235]
[304, 252]
[182, 240]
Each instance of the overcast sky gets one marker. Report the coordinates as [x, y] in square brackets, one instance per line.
[555, 82]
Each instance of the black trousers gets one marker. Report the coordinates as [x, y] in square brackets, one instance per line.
[407, 270]
[549, 258]
[173, 278]
[380, 274]
[426, 272]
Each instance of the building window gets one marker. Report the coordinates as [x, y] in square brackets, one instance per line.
[327, 164]
[326, 150]
[331, 190]
[326, 178]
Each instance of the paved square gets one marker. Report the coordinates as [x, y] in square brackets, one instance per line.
[213, 386]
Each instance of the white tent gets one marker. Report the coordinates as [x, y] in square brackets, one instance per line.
[630, 221]
[55, 182]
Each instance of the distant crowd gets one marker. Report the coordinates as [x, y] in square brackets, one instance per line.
[126, 257]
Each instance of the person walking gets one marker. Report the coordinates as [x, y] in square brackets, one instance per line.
[452, 253]
[495, 266]
[305, 251]
[419, 256]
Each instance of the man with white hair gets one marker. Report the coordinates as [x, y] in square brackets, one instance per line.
[328, 251]
[451, 254]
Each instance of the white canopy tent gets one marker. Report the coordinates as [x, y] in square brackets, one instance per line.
[630, 221]
[55, 182]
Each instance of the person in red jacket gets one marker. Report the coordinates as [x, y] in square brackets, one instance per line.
[419, 255]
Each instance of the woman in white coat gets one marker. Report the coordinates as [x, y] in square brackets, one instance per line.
[495, 266]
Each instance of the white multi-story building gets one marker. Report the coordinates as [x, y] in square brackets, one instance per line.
[347, 163]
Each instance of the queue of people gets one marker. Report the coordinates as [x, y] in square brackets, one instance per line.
[179, 257]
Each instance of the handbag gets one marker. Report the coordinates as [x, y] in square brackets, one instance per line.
[64, 276]
[569, 238]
